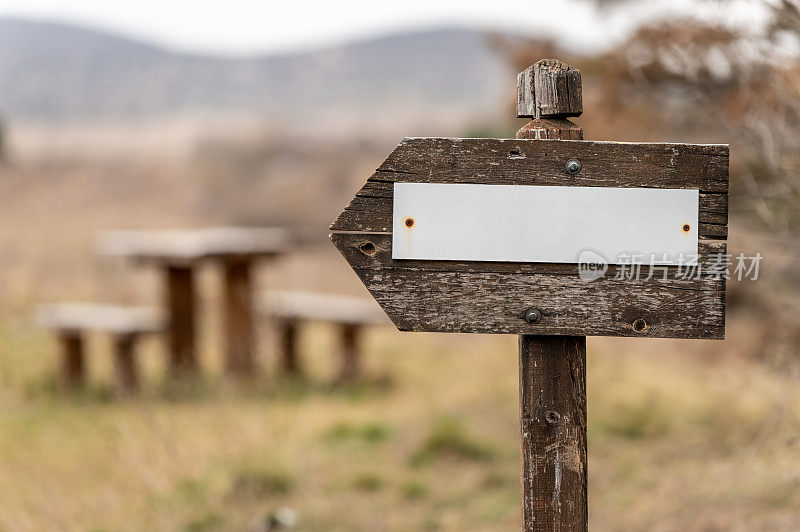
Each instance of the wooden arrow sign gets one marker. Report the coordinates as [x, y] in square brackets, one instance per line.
[553, 240]
[464, 235]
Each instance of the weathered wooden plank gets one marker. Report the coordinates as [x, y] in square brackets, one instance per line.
[542, 162]
[300, 305]
[116, 319]
[714, 205]
[712, 230]
[552, 408]
[489, 302]
[553, 496]
[182, 247]
[373, 212]
[374, 251]
[526, 100]
[671, 307]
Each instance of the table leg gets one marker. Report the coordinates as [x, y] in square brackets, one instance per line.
[350, 368]
[127, 379]
[181, 302]
[287, 338]
[73, 372]
[239, 322]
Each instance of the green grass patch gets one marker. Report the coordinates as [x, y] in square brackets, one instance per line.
[415, 490]
[368, 482]
[206, 523]
[370, 432]
[258, 483]
[449, 439]
[635, 421]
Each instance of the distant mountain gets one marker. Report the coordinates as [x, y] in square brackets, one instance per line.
[52, 71]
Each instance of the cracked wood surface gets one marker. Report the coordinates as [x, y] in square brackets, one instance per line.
[552, 406]
[491, 297]
[542, 162]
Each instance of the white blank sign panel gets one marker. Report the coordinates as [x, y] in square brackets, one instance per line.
[521, 223]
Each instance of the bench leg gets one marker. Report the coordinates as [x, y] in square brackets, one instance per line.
[350, 368]
[238, 315]
[287, 338]
[181, 330]
[127, 378]
[73, 370]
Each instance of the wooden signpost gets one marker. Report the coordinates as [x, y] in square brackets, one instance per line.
[552, 238]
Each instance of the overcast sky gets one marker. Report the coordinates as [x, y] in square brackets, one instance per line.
[248, 26]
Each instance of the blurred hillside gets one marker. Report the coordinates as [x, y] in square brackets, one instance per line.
[52, 71]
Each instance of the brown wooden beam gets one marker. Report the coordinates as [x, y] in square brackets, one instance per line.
[73, 366]
[239, 321]
[351, 356]
[287, 348]
[552, 372]
[125, 367]
[181, 329]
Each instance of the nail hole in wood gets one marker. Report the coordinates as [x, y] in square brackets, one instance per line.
[639, 325]
[368, 248]
[409, 222]
[686, 228]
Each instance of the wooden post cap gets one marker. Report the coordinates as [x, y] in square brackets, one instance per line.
[549, 88]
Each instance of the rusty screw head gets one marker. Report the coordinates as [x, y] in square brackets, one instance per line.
[552, 417]
[573, 166]
[533, 315]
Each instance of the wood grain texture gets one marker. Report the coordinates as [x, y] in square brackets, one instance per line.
[542, 162]
[549, 88]
[550, 129]
[674, 308]
[379, 257]
[552, 401]
[490, 302]
[491, 297]
[552, 407]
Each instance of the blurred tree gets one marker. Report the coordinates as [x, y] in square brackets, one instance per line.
[701, 80]
[706, 81]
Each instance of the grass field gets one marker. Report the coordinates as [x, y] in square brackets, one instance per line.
[683, 436]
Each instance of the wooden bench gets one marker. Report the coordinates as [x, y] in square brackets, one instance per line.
[71, 321]
[350, 314]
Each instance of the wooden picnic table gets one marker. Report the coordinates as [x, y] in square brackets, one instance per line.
[177, 253]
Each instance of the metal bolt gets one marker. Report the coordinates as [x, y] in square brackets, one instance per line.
[552, 417]
[573, 166]
[533, 315]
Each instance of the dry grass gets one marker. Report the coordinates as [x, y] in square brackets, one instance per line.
[683, 435]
